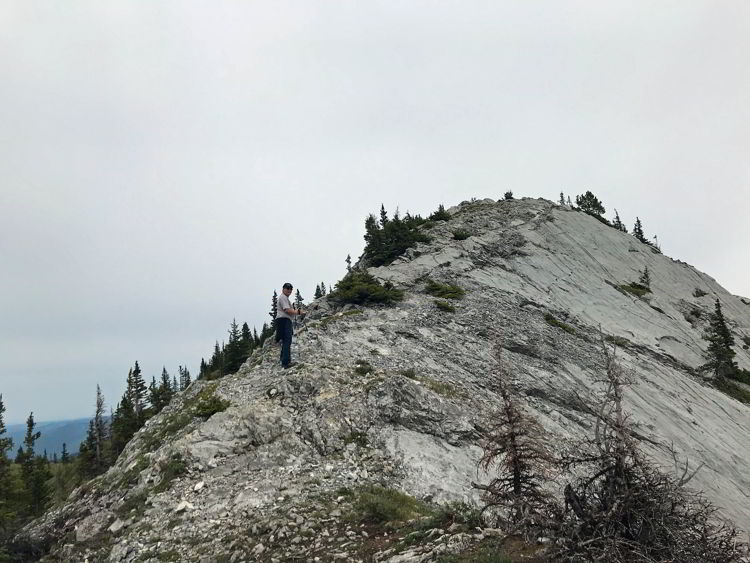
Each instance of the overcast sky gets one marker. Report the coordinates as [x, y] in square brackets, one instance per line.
[164, 166]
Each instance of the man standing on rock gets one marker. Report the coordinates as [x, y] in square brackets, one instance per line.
[284, 329]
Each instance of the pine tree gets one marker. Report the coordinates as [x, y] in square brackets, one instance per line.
[348, 261]
[298, 300]
[638, 231]
[562, 199]
[246, 341]
[570, 204]
[323, 289]
[175, 385]
[720, 354]
[6, 490]
[137, 389]
[233, 351]
[64, 457]
[318, 292]
[34, 471]
[184, 378]
[645, 279]
[590, 204]
[617, 224]
[383, 217]
[54, 458]
[274, 306]
[256, 339]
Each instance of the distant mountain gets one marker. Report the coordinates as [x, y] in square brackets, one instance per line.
[54, 434]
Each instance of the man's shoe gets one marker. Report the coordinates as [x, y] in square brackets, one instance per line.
[291, 365]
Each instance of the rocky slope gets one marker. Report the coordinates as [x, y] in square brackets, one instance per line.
[399, 396]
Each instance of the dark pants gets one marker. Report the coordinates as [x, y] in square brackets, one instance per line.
[284, 333]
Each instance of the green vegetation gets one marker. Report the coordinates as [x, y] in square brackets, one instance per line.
[444, 290]
[170, 555]
[698, 292]
[589, 203]
[363, 367]
[174, 468]
[333, 318]
[387, 239]
[635, 289]
[460, 234]
[488, 551]
[444, 389]
[360, 288]
[134, 503]
[445, 306]
[732, 389]
[552, 321]
[617, 340]
[377, 505]
[209, 406]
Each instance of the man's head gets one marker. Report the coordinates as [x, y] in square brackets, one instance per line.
[287, 289]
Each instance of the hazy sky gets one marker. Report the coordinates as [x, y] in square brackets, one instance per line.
[164, 166]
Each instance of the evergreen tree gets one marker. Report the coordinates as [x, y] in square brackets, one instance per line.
[274, 306]
[590, 204]
[720, 354]
[184, 378]
[323, 289]
[19, 456]
[619, 225]
[34, 471]
[7, 515]
[638, 231]
[203, 371]
[28, 451]
[256, 339]
[645, 279]
[508, 195]
[298, 301]
[246, 340]
[349, 261]
[64, 457]
[234, 356]
[318, 293]
[383, 217]
[54, 458]
[570, 204]
[137, 390]
[562, 199]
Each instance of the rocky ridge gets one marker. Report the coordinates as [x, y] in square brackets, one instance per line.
[400, 396]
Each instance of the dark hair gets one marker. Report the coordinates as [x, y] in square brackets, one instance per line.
[287, 285]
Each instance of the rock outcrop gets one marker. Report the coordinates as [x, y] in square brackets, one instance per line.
[400, 396]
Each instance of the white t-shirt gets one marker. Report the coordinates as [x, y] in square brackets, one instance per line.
[283, 303]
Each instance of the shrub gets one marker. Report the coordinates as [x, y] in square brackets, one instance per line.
[460, 234]
[440, 215]
[635, 288]
[378, 505]
[552, 321]
[732, 389]
[173, 469]
[445, 306]
[698, 292]
[209, 406]
[444, 290]
[508, 195]
[359, 287]
[363, 367]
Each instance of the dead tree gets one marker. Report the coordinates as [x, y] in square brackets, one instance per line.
[514, 446]
[625, 509]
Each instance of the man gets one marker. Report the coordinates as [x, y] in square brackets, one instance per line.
[284, 331]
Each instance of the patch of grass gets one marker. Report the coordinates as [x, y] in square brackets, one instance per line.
[361, 288]
[484, 552]
[444, 290]
[409, 372]
[175, 467]
[635, 289]
[136, 502]
[460, 234]
[356, 437]
[617, 340]
[466, 515]
[363, 367]
[552, 321]
[170, 555]
[732, 389]
[378, 505]
[445, 306]
[209, 406]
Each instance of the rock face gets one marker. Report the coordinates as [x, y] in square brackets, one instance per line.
[400, 396]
